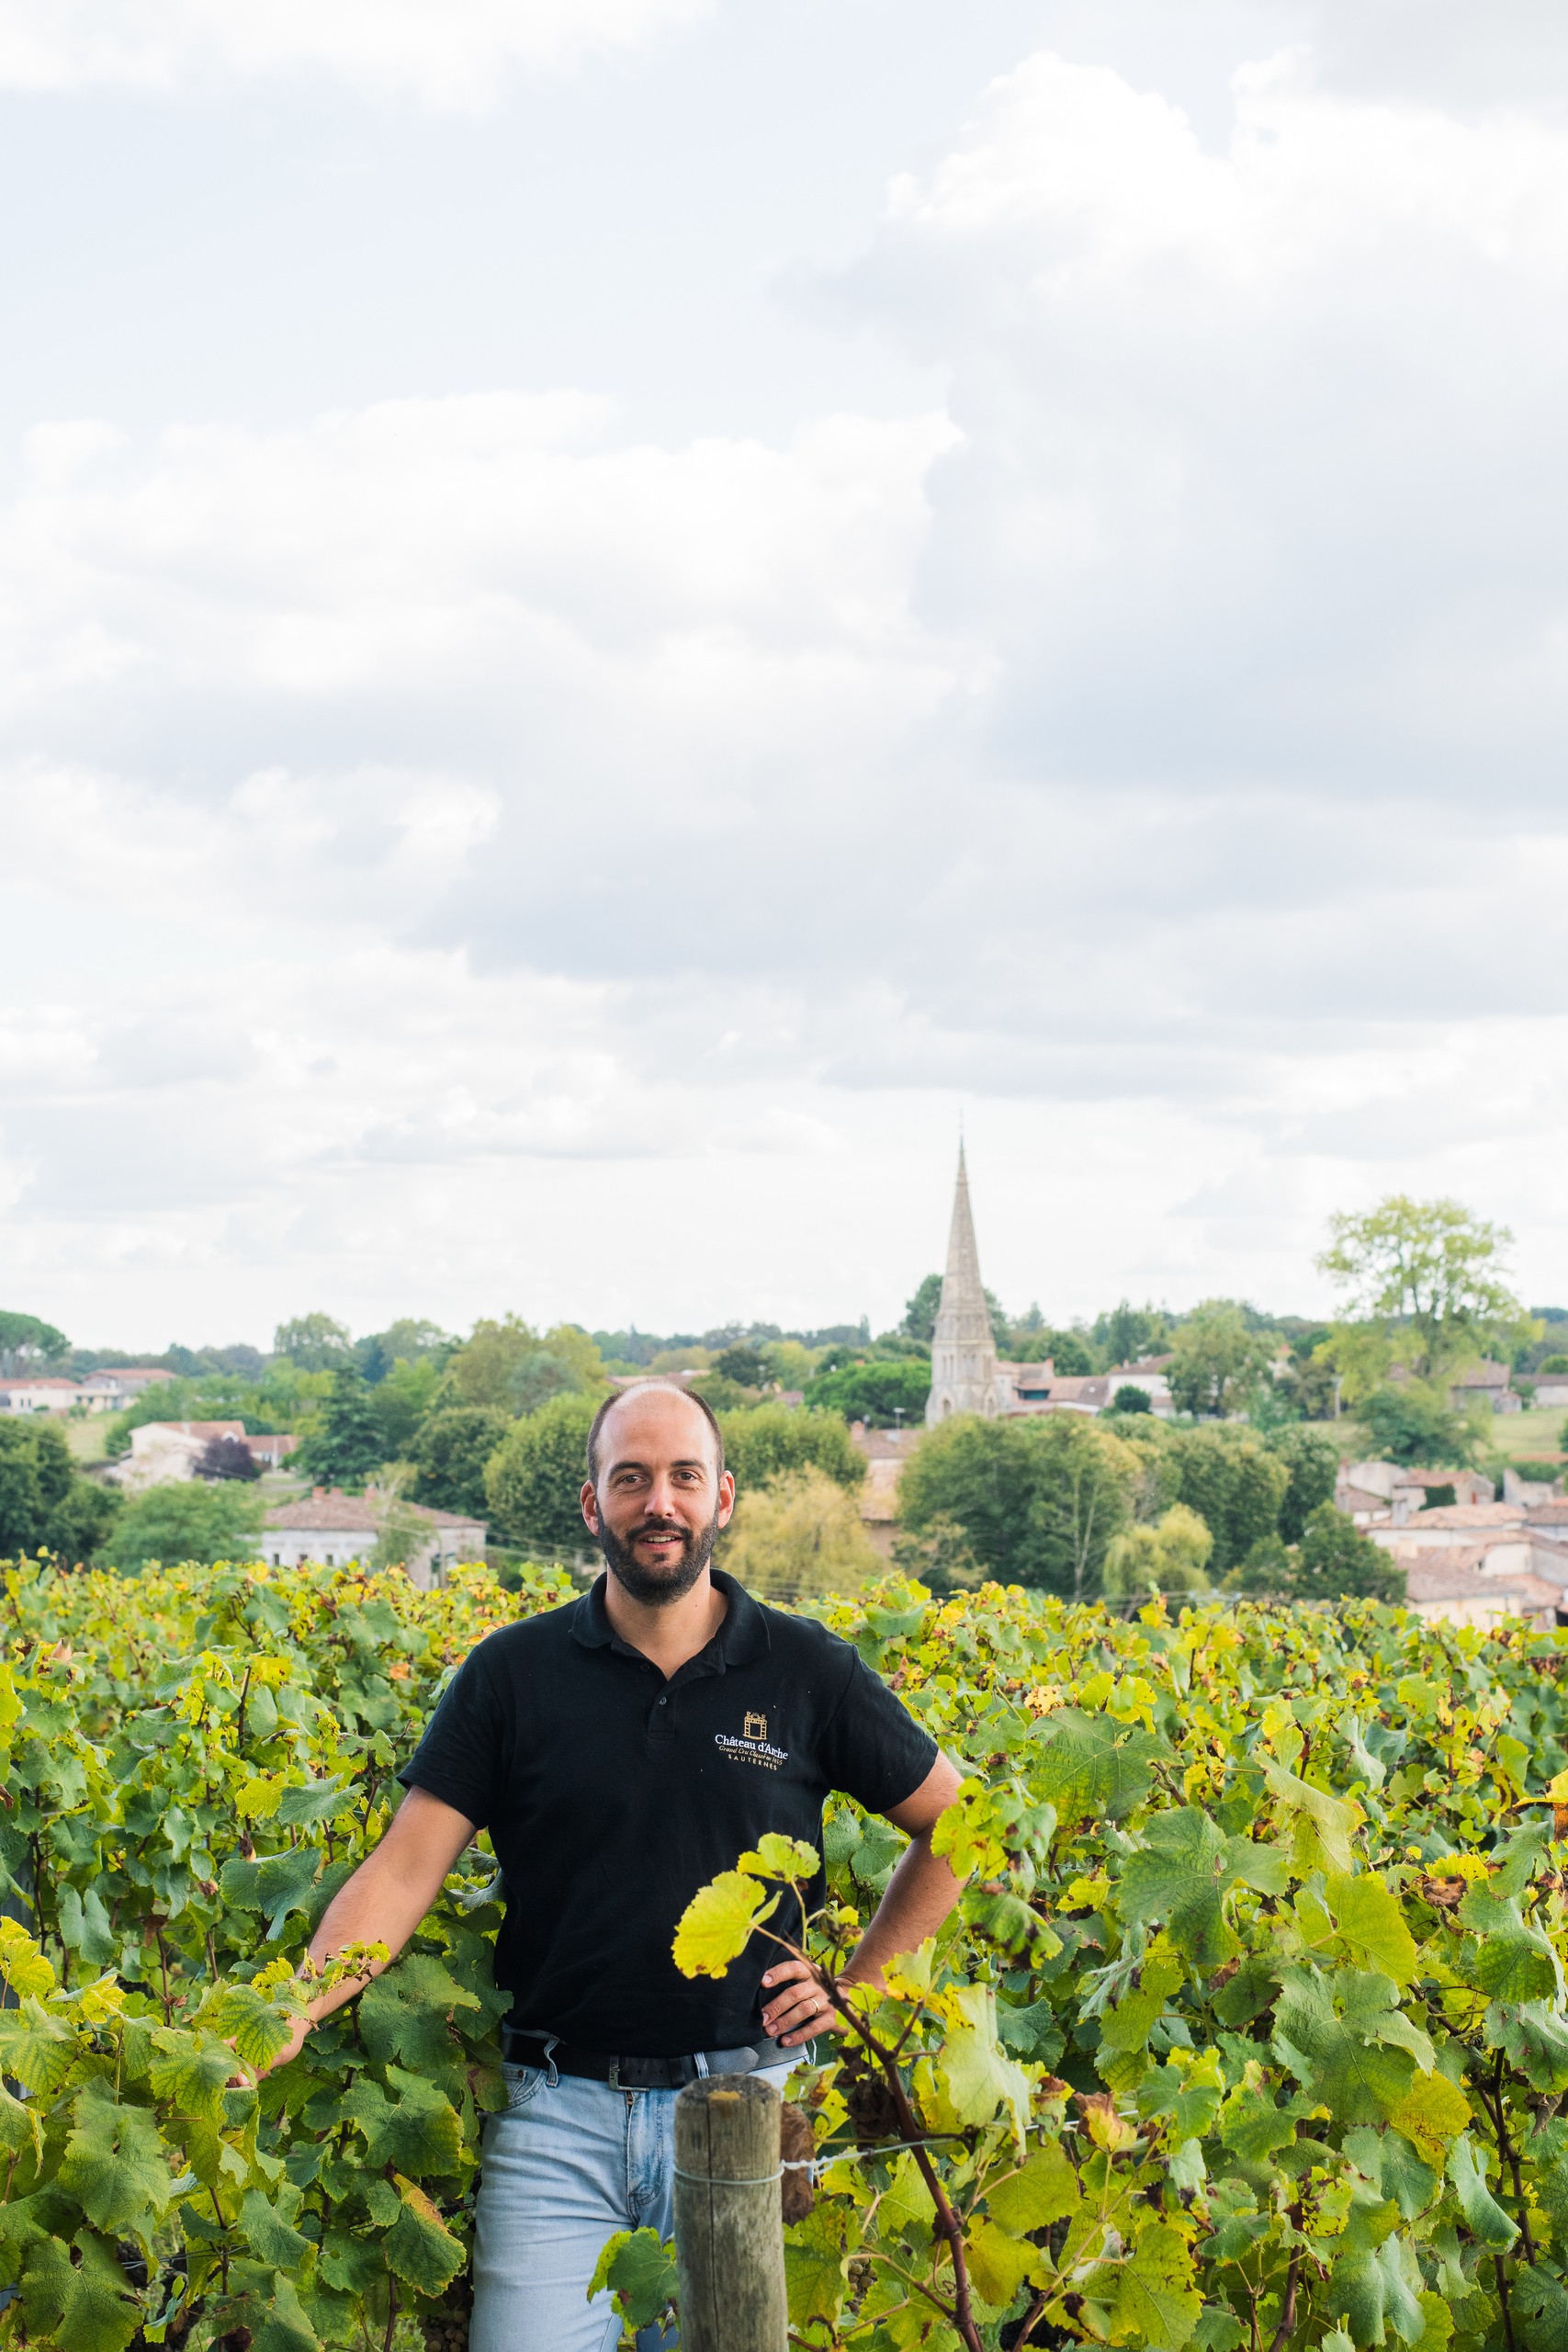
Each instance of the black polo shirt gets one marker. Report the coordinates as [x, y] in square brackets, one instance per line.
[611, 1795]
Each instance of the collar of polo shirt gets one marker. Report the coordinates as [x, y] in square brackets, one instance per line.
[742, 1636]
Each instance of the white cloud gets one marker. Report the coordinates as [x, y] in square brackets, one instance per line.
[502, 853]
[442, 53]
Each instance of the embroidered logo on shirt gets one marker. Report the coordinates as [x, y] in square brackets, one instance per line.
[753, 1747]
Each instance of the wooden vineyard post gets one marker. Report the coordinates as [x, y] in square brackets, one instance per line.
[729, 2225]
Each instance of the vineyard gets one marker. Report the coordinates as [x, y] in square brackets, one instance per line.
[1251, 2029]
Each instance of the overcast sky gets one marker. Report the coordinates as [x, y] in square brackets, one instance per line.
[612, 612]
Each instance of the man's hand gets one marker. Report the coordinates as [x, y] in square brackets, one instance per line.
[799, 2008]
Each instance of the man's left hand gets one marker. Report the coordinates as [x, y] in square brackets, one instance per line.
[795, 2006]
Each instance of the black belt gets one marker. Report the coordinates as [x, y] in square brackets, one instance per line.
[524, 2048]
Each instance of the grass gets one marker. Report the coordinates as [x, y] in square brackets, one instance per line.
[1521, 1434]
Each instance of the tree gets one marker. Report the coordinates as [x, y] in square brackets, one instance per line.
[1039, 1499]
[919, 1315]
[1337, 1562]
[507, 1364]
[534, 1477]
[1127, 1332]
[315, 1343]
[1129, 1399]
[1218, 1360]
[744, 1364]
[45, 1503]
[1067, 1353]
[765, 1441]
[28, 1344]
[402, 1402]
[1237, 1486]
[450, 1454]
[1171, 1556]
[1312, 1461]
[1414, 1422]
[227, 1458]
[798, 1536]
[411, 1340]
[186, 1520]
[346, 1448]
[885, 1396]
[1429, 1273]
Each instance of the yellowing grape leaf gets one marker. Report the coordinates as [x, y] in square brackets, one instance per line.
[999, 2263]
[22, 1962]
[775, 1856]
[1432, 2110]
[1371, 1925]
[716, 1926]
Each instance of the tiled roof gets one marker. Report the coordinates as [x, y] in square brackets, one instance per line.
[1476, 1515]
[1436, 1577]
[334, 1509]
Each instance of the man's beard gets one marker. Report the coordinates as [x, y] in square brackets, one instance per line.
[658, 1587]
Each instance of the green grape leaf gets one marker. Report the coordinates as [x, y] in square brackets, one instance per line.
[114, 2165]
[1323, 1824]
[639, 2269]
[1251, 2125]
[1343, 2059]
[1046, 2190]
[1481, 2209]
[716, 1926]
[84, 1927]
[906, 2208]
[1179, 1878]
[1533, 2037]
[775, 1856]
[271, 2237]
[1395, 2169]
[404, 2013]
[191, 2072]
[83, 2306]
[317, 1801]
[1370, 2289]
[999, 2263]
[239, 2015]
[976, 2077]
[1093, 1766]
[419, 2247]
[1551, 2195]
[1511, 1961]
[276, 1883]
[1154, 2300]
[1541, 2301]
[1371, 1925]
[418, 2133]
[816, 2258]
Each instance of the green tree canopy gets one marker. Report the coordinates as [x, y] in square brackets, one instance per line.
[763, 1442]
[919, 1314]
[1410, 1420]
[1219, 1359]
[348, 1448]
[1127, 1332]
[29, 1344]
[450, 1454]
[1334, 1561]
[1312, 1457]
[799, 1536]
[1039, 1499]
[1428, 1274]
[402, 1402]
[45, 1503]
[1234, 1482]
[883, 1395]
[1170, 1557]
[534, 1480]
[744, 1364]
[188, 1519]
[315, 1343]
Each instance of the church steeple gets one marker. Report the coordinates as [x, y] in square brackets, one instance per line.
[963, 1348]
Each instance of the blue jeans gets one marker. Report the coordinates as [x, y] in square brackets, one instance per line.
[567, 2162]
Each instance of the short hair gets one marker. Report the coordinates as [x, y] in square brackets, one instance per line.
[636, 1389]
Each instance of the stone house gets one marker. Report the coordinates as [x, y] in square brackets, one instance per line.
[334, 1530]
[1486, 1384]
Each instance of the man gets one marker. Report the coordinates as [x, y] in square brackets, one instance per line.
[621, 1751]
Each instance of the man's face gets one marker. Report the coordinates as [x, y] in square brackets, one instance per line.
[659, 1501]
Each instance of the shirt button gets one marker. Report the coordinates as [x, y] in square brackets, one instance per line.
[664, 1702]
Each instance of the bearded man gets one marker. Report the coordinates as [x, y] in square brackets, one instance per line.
[621, 1751]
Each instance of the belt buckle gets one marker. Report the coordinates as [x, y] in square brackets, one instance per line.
[615, 2078]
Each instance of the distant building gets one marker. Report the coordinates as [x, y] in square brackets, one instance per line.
[1551, 1389]
[1451, 1588]
[1484, 1384]
[966, 1375]
[161, 1450]
[334, 1530]
[37, 1392]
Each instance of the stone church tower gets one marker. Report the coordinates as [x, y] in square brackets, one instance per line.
[966, 1375]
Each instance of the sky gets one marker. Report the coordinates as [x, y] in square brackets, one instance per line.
[616, 614]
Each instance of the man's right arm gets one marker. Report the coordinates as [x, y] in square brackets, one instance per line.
[387, 1897]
